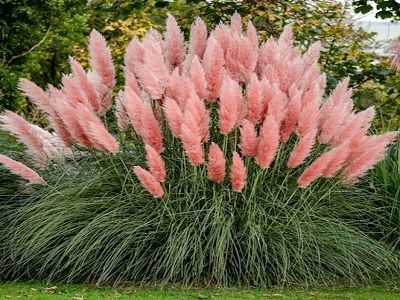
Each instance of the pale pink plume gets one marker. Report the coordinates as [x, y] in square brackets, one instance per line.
[311, 56]
[131, 81]
[149, 82]
[150, 129]
[192, 141]
[327, 165]
[248, 56]
[230, 103]
[216, 163]
[85, 85]
[133, 106]
[236, 23]
[134, 55]
[248, 139]
[286, 37]
[174, 116]
[98, 135]
[302, 149]
[254, 100]
[149, 182]
[268, 142]
[238, 173]
[355, 123]
[198, 110]
[174, 48]
[25, 133]
[293, 111]
[213, 64]
[232, 57]
[198, 38]
[251, 34]
[155, 163]
[394, 47]
[100, 59]
[197, 76]
[370, 152]
[35, 94]
[179, 88]
[21, 170]
[277, 104]
[308, 119]
[72, 92]
[120, 112]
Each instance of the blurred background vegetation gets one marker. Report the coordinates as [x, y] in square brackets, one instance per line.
[36, 37]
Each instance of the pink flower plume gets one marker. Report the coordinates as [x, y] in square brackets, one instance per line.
[308, 119]
[248, 139]
[230, 103]
[213, 64]
[120, 112]
[155, 163]
[191, 141]
[149, 182]
[198, 38]
[174, 116]
[216, 163]
[302, 149]
[268, 142]
[133, 107]
[293, 112]
[198, 110]
[174, 48]
[131, 81]
[251, 34]
[238, 173]
[150, 129]
[198, 78]
[21, 170]
[35, 94]
[277, 104]
[236, 23]
[254, 100]
[134, 55]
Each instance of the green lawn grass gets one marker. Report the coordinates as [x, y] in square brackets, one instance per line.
[34, 291]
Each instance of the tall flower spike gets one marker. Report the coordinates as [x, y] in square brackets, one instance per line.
[155, 163]
[192, 141]
[229, 103]
[213, 64]
[120, 112]
[216, 163]
[198, 38]
[151, 130]
[35, 94]
[236, 23]
[197, 76]
[238, 173]
[293, 112]
[149, 182]
[248, 139]
[21, 170]
[254, 100]
[302, 149]
[174, 116]
[134, 55]
[174, 48]
[268, 142]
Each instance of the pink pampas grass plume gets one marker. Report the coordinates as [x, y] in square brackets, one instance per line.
[149, 182]
[134, 55]
[230, 103]
[277, 104]
[198, 78]
[216, 163]
[292, 115]
[213, 64]
[308, 119]
[198, 38]
[372, 151]
[155, 163]
[133, 106]
[85, 84]
[311, 56]
[251, 34]
[174, 48]
[131, 81]
[268, 142]
[197, 108]
[174, 116]
[254, 100]
[248, 139]
[35, 94]
[238, 173]
[326, 165]
[120, 112]
[21, 170]
[394, 47]
[332, 123]
[236, 23]
[191, 141]
[150, 129]
[100, 59]
[149, 82]
[302, 149]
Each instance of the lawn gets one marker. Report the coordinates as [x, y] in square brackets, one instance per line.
[35, 291]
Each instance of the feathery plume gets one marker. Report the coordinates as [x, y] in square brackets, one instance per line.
[149, 182]
[268, 142]
[309, 116]
[248, 139]
[174, 49]
[155, 163]
[150, 129]
[236, 23]
[216, 163]
[21, 170]
[191, 141]
[213, 64]
[131, 81]
[302, 149]
[198, 78]
[229, 102]
[134, 55]
[120, 112]
[198, 38]
[238, 173]
[133, 106]
[35, 94]
[251, 34]
[254, 100]
[174, 116]
[293, 112]
[277, 104]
